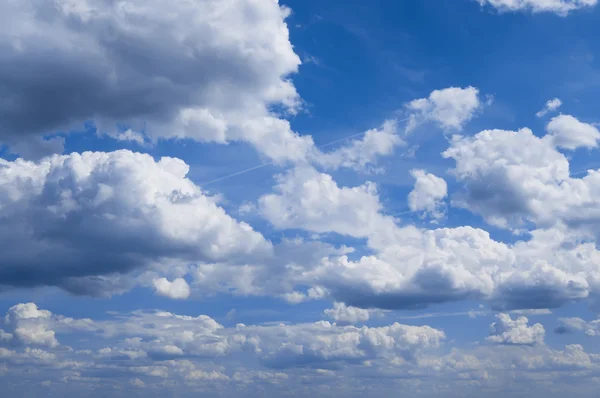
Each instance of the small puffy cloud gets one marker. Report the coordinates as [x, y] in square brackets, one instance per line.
[451, 108]
[428, 194]
[178, 289]
[359, 154]
[551, 106]
[569, 133]
[137, 383]
[515, 332]
[560, 7]
[343, 314]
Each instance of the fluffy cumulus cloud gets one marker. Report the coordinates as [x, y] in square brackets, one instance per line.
[515, 177]
[178, 289]
[551, 106]
[450, 108]
[569, 133]
[204, 70]
[560, 7]
[428, 194]
[508, 331]
[410, 267]
[29, 325]
[68, 219]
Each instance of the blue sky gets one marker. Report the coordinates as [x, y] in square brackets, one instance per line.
[301, 198]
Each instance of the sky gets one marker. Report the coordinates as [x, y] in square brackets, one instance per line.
[302, 198]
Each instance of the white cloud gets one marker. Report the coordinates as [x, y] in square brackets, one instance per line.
[29, 325]
[515, 177]
[560, 7]
[515, 332]
[101, 213]
[411, 267]
[359, 154]
[451, 108]
[569, 133]
[204, 70]
[427, 194]
[343, 314]
[178, 289]
[313, 201]
[551, 106]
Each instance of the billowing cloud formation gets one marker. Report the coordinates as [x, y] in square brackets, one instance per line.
[69, 218]
[451, 108]
[205, 70]
[551, 106]
[412, 267]
[560, 7]
[515, 177]
[428, 193]
[29, 325]
[517, 332]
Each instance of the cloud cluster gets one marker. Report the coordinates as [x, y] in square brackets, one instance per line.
[155, 351]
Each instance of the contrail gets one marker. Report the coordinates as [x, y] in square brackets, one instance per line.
[260, 166]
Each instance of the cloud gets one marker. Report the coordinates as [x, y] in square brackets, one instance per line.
[343, 314]
[515, 332]
[514, 177]
[305, 198]
[178, 289]
[359, 154]
[29, 325]
[207, 71]
[560, 7]
[76, 220]
[569, 133]
[427, 194]
[164, 352]
[408, 267]
[568, 325]
[551, 106]
[451, 108]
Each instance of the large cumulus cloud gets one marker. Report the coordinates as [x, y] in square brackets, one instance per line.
[84, 215]
[206, 70]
